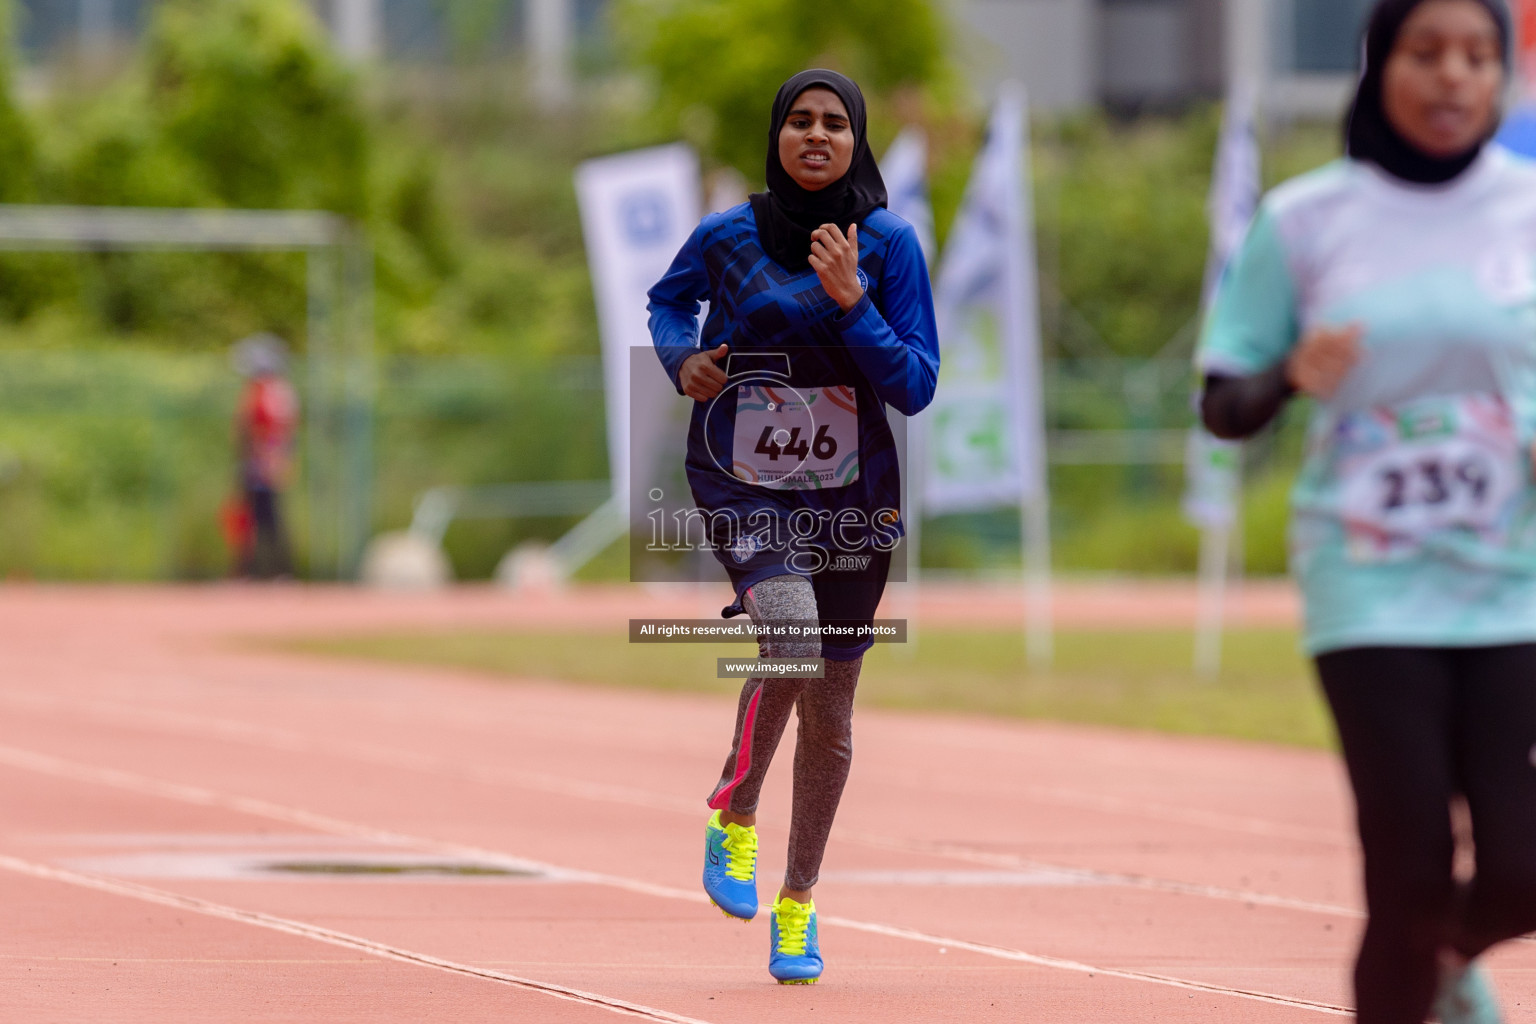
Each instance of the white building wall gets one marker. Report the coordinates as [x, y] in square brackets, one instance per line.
[1074, 53]
[1144, 52]
[1049, 45]
[1068, 53]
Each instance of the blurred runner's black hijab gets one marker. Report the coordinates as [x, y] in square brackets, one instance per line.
[787, 214]
[1368, 135]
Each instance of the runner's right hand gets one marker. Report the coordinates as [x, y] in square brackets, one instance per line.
[700, 378]
[1323, 358]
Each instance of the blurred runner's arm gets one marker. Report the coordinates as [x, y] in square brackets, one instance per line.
[674, 308]
[1249, 338]
[897, 350]
[1234, 408]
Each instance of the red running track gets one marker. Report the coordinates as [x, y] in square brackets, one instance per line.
[155, 779]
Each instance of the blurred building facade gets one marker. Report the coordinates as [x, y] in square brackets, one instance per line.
[1298, 55]
[1131, 55]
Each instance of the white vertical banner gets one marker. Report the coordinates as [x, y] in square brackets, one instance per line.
[987, 421]
[1235, 185]
[986, 428]
[1213, 485]
[905, 170]
[637, 210]
[904, 167]
[1212, 467]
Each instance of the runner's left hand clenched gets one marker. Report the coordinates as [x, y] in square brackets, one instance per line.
[835, 258]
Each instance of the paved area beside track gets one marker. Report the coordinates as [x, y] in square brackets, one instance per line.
[194, 830]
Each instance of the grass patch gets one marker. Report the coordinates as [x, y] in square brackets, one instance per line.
[1134, 678]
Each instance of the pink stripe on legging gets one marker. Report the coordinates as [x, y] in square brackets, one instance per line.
[722, 799]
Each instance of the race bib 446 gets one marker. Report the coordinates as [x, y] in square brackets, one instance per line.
[1408, 472]
[796, 439]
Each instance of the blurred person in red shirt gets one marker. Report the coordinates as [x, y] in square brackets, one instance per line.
[265, 427]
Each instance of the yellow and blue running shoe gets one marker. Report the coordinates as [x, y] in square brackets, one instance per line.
[730, 868]
[1465, 996]
[794, 953]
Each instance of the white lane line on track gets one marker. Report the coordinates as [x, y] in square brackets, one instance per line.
[274, 738]
[74, 771]
[286, 740]
[335, 938]
[1005, 953]
[1244, 825]
[1015, 862]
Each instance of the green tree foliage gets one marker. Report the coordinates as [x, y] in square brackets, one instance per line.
[1121, 217]
[248, 94]
[17, 149]
[237, 104]
[1122, 222]
[475, 26]
[716, 64]
[23, 280]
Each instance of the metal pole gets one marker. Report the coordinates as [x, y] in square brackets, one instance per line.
[1220, 546]
[1215, 548]
[320, 469]
[359, 395]
[1035, 519]
[549, 43]
[1248, 42]
[916, 455]
[357, 29]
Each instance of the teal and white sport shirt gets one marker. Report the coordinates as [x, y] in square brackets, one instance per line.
[1413, 522]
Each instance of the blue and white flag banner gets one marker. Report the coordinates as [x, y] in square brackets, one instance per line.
[1212, 467]
[1235, 186]
[985, 430]
[637, 210]
[905, 170]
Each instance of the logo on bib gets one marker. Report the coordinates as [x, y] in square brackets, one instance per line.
[745, 547]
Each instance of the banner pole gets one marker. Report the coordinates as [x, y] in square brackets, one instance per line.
[1038, 612]
[1213, 495]
[905, 169]
[912, 591]
[1215, 548]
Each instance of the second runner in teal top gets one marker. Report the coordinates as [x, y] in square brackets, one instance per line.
[1414, 517]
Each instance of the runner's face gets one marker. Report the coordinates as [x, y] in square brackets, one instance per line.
[816, 142]
[1441, 83]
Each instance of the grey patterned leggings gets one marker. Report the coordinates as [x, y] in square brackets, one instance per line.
[823, 743]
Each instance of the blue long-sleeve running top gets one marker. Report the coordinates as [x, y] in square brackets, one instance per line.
[802, 423]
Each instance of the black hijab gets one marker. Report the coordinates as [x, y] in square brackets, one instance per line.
[1368, 135]
[787, 214]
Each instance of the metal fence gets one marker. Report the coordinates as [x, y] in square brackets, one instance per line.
[114, 461]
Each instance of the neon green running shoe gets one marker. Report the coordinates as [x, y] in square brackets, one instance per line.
[794, 952]
[730, 868]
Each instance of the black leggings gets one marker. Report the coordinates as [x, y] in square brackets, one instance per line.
[1420, 727]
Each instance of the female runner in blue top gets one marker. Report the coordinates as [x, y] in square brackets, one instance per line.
[820, 316]
[1397, 288]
